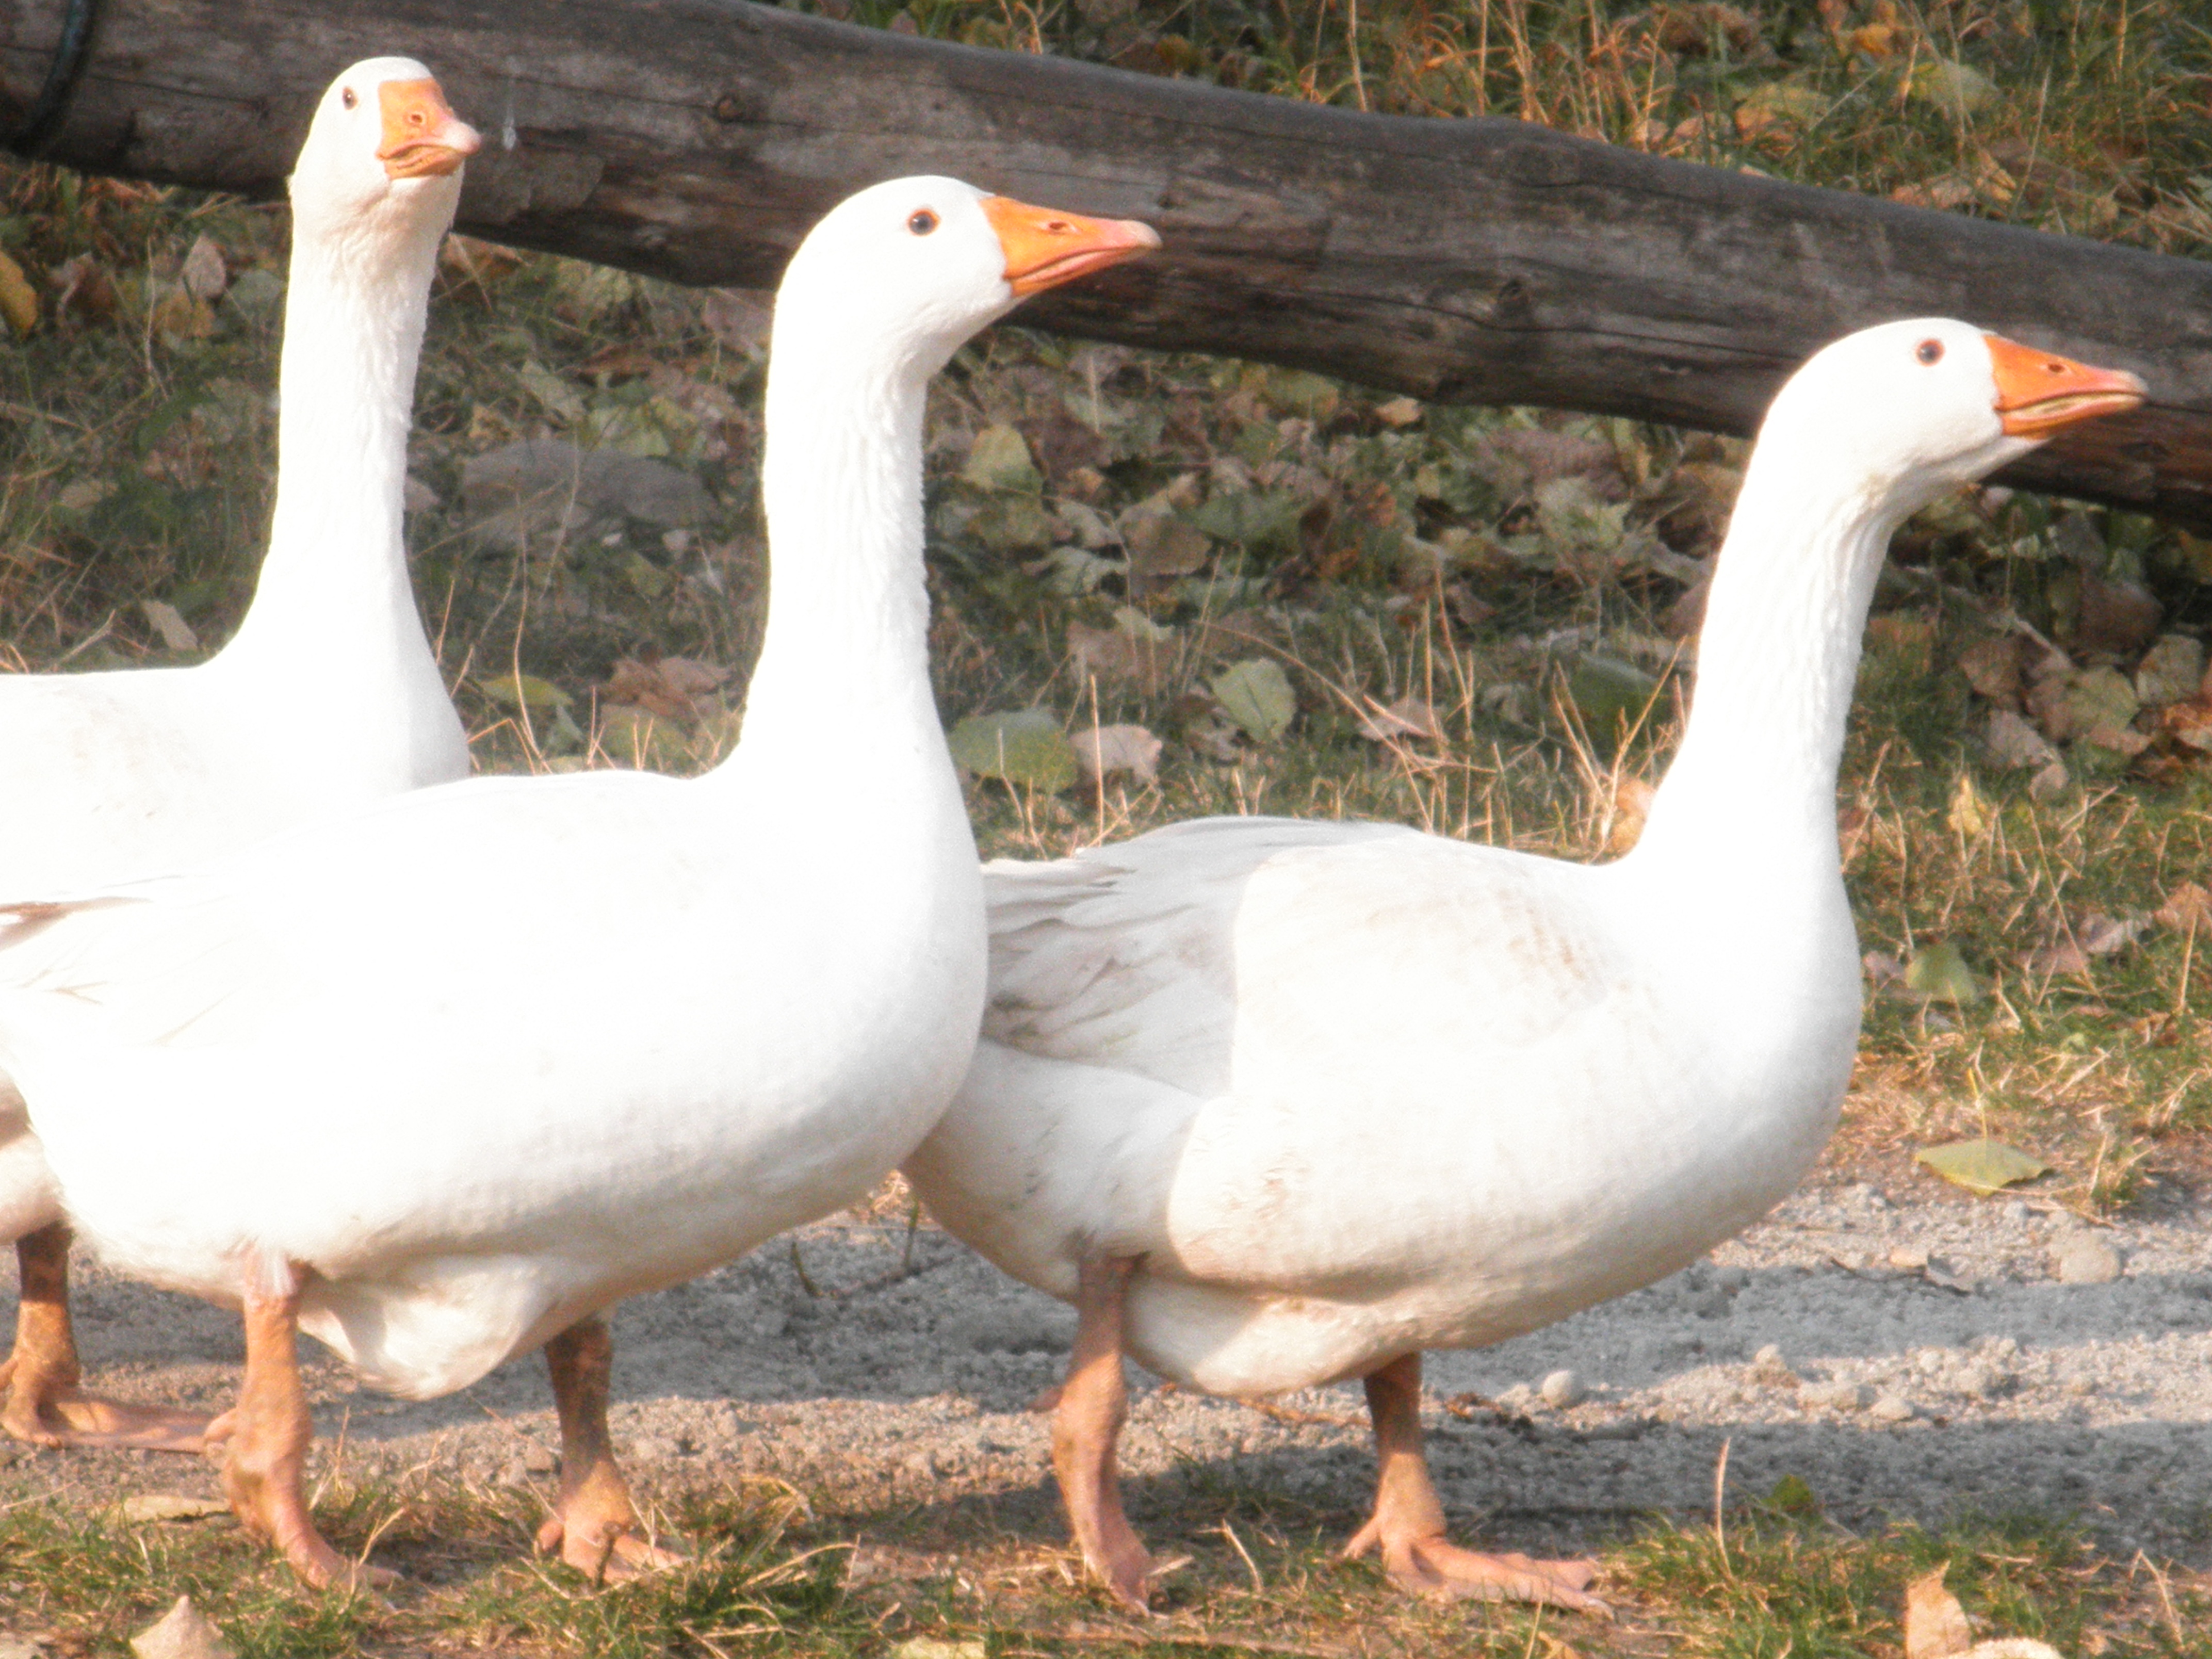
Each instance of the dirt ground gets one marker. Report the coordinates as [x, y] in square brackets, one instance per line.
[1903, 1350]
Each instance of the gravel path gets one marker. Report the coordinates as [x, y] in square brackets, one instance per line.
[1901, 1356]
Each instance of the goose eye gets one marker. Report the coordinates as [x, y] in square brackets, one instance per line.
[346, 97]
[922, 222]
[1930, 351]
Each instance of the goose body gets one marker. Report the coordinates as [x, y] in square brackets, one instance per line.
[1330, 1168]
[489, 1057]
[327, 698]
[1280, 1103]
[442, 1078]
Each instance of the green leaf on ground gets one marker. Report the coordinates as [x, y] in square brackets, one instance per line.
[1026, 746]
[1981, 1166]
[1793, 1495]
[524, 691]
[1256, 694]
[1610, 695]
[1000, 459]
[1940, 974]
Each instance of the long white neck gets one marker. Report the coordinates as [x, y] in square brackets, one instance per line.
[842, 685]
[335, 577]
[1754, 788]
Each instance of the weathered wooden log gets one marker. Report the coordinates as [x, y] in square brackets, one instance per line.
[1474, 261]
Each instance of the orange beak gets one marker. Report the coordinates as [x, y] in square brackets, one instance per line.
[423, 137]
[1045, 249]
[2039, 391]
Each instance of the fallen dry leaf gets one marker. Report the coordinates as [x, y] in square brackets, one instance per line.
[2117, 615]
[1101, 751]
[183, 1632]
[1935, 1625]
[19, 300]
[1409, 717]
[669, 687]
[2188, 723]
[1993, 667]
[882, 1563]
[1969, 816]
[479, 261]
[2011, 741]
[205, 274]
[1631, 805]
[1981, 1166]
[2064, 957]
[80, 285]
[2170, 671]
[2101, 935]
[2188, 905]
[169, 622]
[169, 1506]
[1143, 654]
[1162, 547]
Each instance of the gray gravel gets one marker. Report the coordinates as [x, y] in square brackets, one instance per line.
[1903, 1358]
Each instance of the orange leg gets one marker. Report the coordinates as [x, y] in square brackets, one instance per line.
[1086, 1423]
[593, 1525]
[43, 1403]
[1408, 1522]
[270, 1431]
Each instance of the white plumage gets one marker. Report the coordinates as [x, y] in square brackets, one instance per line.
[442, 1078]
[327, 698]
[1280, 1104]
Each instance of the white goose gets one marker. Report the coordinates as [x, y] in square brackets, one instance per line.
[440, 1079]
[1279, 1103]
[327, 698]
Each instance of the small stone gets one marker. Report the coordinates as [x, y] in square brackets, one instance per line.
[183, 1632]
[1562, 1390]
[1769, 1358]
[538, 1460]
[1908, 1258]
[19, 1647]
[2080, 1387]
[2016, 1212]
[651, 1449]
[1976, 1383]
[1891, 1408]
[2085, 1259]
[1833, 1396]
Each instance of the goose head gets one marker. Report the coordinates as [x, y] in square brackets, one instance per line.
[1921, 406]
[382, 157]
[903, 272]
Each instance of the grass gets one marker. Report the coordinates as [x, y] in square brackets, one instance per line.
[1262, 1578]
[1114, 534]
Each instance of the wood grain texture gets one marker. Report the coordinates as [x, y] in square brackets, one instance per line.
[1476, 260]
